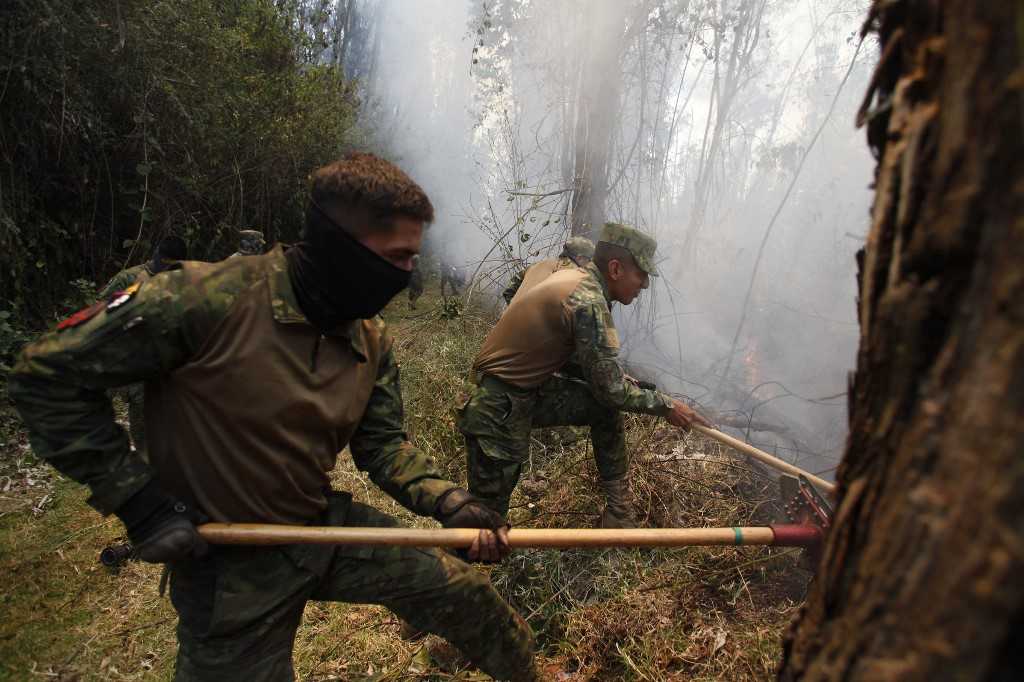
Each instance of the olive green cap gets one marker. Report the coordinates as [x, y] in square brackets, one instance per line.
[641, 246]
[578, 247]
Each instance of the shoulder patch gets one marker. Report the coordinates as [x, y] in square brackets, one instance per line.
[121, 297]
[83, 315]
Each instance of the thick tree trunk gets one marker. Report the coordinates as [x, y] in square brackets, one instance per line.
[923, 574]
[597, 117]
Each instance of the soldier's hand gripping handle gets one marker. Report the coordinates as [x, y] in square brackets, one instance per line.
[457, 508]
[683, 416]
[640, 383]
[160, 528]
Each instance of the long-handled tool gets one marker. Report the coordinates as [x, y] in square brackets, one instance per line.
[764, 457]
[788, 535]
[808, 513]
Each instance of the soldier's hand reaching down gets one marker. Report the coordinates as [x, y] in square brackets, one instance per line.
[161, 528]
[457, 508]
[684, 416]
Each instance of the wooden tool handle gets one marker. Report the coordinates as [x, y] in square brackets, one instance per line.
[268, 534]
[763, 456]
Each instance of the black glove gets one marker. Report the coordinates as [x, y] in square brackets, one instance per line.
[457, 508]
[161, 528]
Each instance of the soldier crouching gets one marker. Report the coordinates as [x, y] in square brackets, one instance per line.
[565, 315]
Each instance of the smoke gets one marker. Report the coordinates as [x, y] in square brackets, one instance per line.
[421, 111]
[695, 122]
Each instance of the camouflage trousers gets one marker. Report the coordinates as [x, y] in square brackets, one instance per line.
[497, 421]
[239, 608]
[134, 396]
[415, 287]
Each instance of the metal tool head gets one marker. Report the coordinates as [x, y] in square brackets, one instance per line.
[804, 505]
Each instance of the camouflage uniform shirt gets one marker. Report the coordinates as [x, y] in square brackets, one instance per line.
[247, 404]
[566, 315]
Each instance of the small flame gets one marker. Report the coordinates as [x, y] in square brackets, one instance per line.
[750, 362]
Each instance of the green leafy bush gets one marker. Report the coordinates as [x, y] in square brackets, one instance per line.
[121, 122]
[12, 338]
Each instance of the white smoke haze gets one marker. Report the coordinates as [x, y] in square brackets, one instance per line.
[693, 121]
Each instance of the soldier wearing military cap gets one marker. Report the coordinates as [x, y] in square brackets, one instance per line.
[518, 388]
[576, 253]
[452, 277]
[416, 284]
[259, 372]
[166, 255]
[250, 243]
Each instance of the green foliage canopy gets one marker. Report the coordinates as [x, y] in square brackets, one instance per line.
[122, 121]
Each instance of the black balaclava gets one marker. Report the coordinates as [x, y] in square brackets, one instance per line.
[335, 277]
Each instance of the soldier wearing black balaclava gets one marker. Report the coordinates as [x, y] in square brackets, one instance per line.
[260, 372]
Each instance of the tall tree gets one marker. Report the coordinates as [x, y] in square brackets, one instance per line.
[921, 576]
[122, 122]
[597, 112]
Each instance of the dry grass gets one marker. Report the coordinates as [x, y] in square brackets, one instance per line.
[695, 614]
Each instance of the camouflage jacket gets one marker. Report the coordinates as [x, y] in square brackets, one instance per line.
[247, 404]
[566, 316]
[596, 350]
[126, 278]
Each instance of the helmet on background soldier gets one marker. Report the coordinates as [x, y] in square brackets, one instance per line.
[579, 249]
[250, 242]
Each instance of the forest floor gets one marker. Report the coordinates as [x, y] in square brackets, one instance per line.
[693, 614]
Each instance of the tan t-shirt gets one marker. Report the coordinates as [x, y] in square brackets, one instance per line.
[534, 337]
[539, 272]
[565, 315]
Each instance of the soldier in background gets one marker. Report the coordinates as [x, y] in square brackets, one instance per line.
[250, 243]
[451, 277]
[227, 349]
[517, 388]
[416, 283]
[166, 255]
[576, 253]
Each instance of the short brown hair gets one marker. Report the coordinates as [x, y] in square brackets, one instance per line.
[606, 252]
[362, 180]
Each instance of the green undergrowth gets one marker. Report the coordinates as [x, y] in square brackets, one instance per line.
[665, 614]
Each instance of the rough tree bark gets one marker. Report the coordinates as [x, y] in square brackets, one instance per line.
[923, 575]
